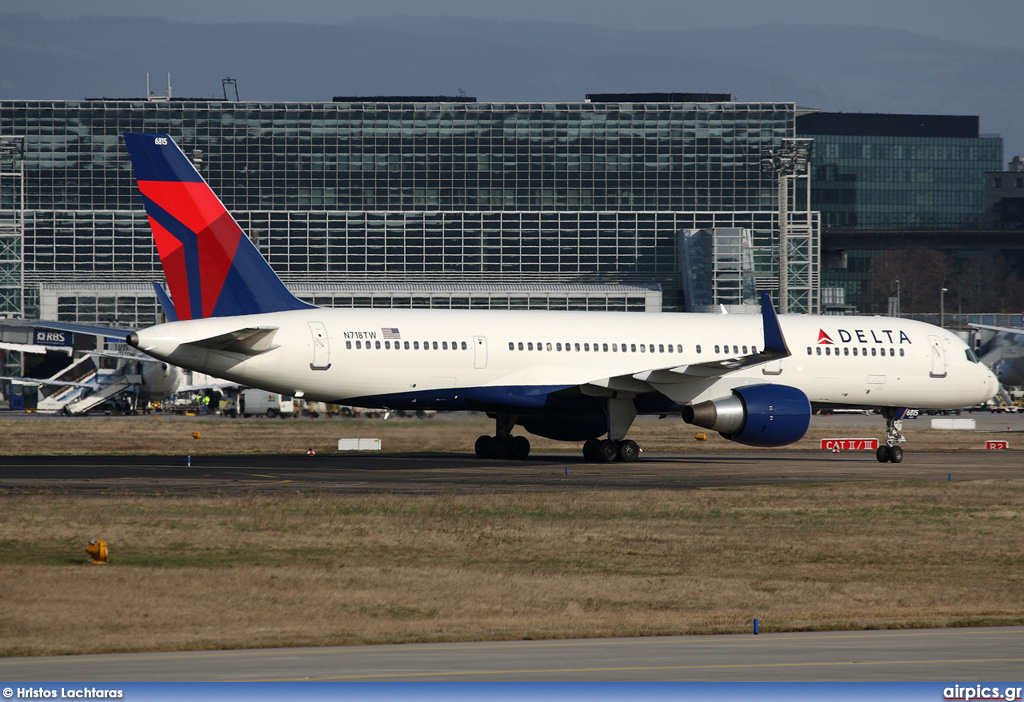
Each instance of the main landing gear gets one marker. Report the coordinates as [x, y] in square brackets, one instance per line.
[606, 450]
[891, 452]
[503, 444]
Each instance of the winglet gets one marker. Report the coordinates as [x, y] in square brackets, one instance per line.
[774, 342]
[165, 303]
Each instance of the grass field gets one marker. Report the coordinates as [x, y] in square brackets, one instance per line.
[316, 569]
[197, 573]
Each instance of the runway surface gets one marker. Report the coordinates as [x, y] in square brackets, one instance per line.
[958, 655]
[427, 473]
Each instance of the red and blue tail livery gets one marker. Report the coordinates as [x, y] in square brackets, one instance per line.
[211, 267]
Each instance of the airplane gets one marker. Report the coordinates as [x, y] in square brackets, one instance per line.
[1005, 355]
[570, 376]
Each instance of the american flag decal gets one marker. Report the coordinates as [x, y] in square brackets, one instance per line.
[390, 332]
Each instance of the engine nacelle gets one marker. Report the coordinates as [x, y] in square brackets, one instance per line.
[756, 415]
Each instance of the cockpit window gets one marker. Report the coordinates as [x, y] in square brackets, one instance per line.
[970, 356]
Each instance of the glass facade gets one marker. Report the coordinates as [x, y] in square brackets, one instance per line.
[879, 182]
[400, 192]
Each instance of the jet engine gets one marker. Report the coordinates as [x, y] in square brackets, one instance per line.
[756, 415]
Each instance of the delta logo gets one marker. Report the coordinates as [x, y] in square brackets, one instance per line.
[864, 336]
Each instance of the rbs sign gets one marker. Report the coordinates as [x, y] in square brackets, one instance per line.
[47, 337]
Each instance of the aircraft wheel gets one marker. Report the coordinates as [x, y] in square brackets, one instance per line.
[607, 451]
[590, 450]
[896, 454]
[520, 447]
[484, 447]
[882, 454]
[628, 451]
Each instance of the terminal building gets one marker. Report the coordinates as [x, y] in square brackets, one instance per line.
[897, 182]
[639, 202]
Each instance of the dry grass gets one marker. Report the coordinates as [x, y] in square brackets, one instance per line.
[172, 435]
[190, 573]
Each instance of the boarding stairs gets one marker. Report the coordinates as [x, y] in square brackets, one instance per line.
[84, 385]
[115, 384]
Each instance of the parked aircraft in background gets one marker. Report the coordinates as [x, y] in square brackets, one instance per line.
[1005, 354]
[572, 376]
[86, 385]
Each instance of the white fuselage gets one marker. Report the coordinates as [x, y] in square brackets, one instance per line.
[438, 358]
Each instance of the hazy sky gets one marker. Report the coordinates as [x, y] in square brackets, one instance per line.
[993, 22]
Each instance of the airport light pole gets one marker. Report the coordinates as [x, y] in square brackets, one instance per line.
[786, 162]
[942, 307]
[897, 297]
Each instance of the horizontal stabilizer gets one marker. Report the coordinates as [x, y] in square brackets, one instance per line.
[250, 341]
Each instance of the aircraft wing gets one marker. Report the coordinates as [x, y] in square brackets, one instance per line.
[38, 382]
[775, 348]
[1005, 330]
[106, 332]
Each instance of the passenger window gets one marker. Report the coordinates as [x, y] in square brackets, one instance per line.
[577, 346]
[901, 352]
[348, 344]
[698, 349]
[717, 348]
[642, 349]
[873, 351]
[604, 347]
[549, 346]
[376, 345]
[416, 345]
[529, 346]
[520, 346]
[359, 344]
[818, 350]
[558, 346]
[661, 348]
[406, 345]
[808, 350]
[586, 347]
[744, 349]
[511, 346]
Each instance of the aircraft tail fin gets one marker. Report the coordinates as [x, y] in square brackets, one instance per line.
[211, 267]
